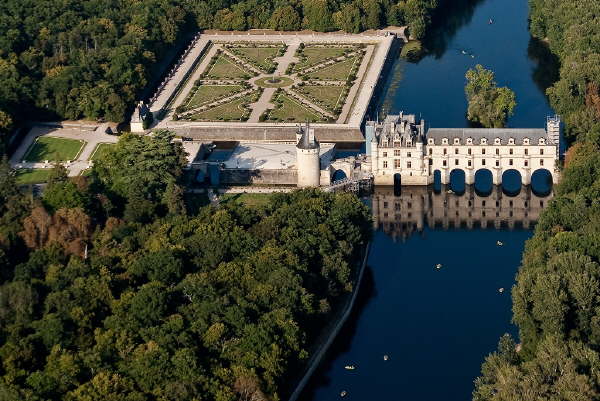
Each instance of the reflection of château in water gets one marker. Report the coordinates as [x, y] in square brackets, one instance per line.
[400, 214]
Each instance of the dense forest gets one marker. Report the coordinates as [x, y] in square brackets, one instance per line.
[70, 59]
[556, 300]
[116, 287]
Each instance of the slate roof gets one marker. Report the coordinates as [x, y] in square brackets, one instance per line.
[518, 134]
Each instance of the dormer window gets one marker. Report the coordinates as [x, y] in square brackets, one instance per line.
[430, 141]
[526, 141]
[444, 141]
[511, 141]
[542, 141]
[497, 141]
[469, 141]
[483, 141]
[456, 141]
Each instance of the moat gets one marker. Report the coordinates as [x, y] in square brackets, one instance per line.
[438, 324]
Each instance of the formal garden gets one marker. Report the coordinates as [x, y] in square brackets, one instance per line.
[273, 82]
[53, 149]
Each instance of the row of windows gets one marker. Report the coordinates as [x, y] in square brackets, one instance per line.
[470, 204]
[398, 163]
[396, 153]
[484, 141]
[469, 152]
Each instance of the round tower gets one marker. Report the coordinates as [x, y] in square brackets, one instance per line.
[307, 159]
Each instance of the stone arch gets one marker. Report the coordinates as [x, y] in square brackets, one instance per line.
[338, 175]
[484, 182]
[541, 182]
[458, 181]
[511, 182]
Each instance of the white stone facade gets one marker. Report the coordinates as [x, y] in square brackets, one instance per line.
[401, 152]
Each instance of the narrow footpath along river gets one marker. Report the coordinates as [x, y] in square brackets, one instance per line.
[438, 324]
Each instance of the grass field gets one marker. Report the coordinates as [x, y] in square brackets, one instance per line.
[32, 176]
[232, 111]
[246, 199]
[208, 93]
[315, 55]
[292, 111]
[53, 149]
[261, 57]
[101, 150]
[226, 69]
[336, 72]
[329, 95]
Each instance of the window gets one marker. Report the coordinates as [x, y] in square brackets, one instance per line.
[396, 152]
[396, 163]
[497, 163]
[526, 152]
[483, 151]
[444, 163]
[510, 151]
[444, 141]
[483, 141]
[456, 162]
[469, 141]
[385, 164]
[483, 162]
[445, 151]
[541, 162]
[408, 154]
[510, 162]
[511, 141]
[430, 151]
[526, 163]
[469, 163]
[384, 154]
[497, 151]
[541, 151]
[469, 151]
[456, 141]
[482, 203]
[497, 141]
[408, 165]
[526, 141]
[431, 162]
[430, 141]
[385, 205]
[456, 151]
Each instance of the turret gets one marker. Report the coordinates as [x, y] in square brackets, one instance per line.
[307, 159]
[553, 129]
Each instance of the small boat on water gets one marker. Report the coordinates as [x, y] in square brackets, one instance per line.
[499, 243]
[438, 266]
[463, 52]
[501, 290]
[491, 21]
[349, 367]
[386, 357]
[449, 191]
[343, 393]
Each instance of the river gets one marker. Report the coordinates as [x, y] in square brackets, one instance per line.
[437, 324]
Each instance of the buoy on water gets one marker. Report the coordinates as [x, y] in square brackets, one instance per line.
[499, 243]
[501, 290]
[343, 393]
[438, 266]
[385, 357]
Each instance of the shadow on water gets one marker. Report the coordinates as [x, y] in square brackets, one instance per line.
[343, 341]
[449, 18]
[547, 65]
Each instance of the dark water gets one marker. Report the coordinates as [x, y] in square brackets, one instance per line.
[437, 325]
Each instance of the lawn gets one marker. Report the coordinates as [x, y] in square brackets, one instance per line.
[329, 95]
[336, 72]
[32, 176]
[315, 55]
[292, 111]
[261, 57]
[246, 199]
[232, 111]
[226, 69]
[209, 93]
[101, 150]
[53, 149]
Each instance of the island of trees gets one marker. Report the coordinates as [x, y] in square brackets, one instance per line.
[114, 286]
[556, 301]
[489, 105]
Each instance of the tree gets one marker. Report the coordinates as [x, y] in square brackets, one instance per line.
[317, 15]
[285, 19]
[489, 105]
[348, 19]
[372, 14]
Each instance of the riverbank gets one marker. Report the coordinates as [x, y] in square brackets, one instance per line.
[330, 334]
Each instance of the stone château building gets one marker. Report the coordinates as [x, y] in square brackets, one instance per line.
[401, 152]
